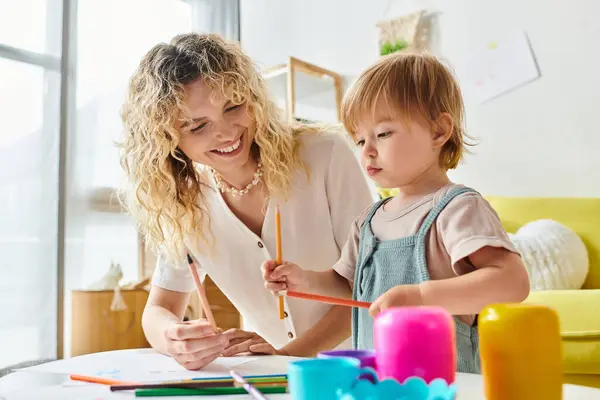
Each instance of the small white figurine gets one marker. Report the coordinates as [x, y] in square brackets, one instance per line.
[110, 280]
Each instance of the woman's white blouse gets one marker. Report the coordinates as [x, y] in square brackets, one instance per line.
[315, 222]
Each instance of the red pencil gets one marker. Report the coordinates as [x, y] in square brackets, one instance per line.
[201, 293]
[330, 300]
[96, 379]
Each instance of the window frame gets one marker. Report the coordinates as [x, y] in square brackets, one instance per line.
[57, 30]
[61, 56]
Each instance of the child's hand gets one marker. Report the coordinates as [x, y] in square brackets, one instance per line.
[287, 276]
[399, 296]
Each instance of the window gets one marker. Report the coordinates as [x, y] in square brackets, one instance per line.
[105, 59]
[31, 25]
[29, 112]
[109, 39]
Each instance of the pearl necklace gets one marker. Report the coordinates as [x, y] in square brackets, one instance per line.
[224, 187]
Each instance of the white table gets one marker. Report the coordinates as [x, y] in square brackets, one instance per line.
[31, 384]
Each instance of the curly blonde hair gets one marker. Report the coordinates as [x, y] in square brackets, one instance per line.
[165, 188]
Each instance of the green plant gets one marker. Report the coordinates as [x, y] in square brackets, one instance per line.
[387, 47]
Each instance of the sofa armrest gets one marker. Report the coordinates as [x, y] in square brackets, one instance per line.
[579, 324]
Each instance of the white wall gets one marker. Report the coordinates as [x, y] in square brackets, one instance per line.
[539, 140]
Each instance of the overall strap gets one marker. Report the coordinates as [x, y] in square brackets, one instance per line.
[437, 209]
[366, 226]
[367, 240]
[367, 243]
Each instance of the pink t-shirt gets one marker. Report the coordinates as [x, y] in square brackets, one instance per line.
[467, 224]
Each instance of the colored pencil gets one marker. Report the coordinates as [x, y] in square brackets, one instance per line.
[171, 385]
[201, 293]
[248, 377]
[252, 391]
[279, 253]
[199, 384]
[96, 379]
[331, 300]
[204, 392]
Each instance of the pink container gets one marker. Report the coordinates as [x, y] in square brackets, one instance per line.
[415, 341]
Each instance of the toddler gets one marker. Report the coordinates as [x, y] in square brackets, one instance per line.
[435, 243]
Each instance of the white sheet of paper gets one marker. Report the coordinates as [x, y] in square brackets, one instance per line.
[146, 365]
[504, 64]
[141, 365]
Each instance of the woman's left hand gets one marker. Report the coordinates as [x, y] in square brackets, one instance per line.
[243, 342]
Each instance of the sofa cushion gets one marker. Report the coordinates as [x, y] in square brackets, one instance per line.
[582, 215]
[579, 325]
[554, 255]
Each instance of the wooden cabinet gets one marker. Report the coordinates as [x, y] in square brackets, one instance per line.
[95, 327]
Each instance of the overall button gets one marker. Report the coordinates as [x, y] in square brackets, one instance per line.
[285, 314]
[260, 245]
[290, 335]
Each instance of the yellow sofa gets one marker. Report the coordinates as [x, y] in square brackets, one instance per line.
[579, 317]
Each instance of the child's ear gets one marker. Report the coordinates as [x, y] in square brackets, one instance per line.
[442, 129]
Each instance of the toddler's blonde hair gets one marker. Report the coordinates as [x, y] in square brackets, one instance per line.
[413, 87]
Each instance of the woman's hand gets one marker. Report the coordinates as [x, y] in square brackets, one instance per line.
[194, 344]
[287, 276]
[248, 342]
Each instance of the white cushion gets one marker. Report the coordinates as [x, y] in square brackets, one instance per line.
[554, 255]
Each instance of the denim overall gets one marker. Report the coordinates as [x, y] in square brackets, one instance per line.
[382, 265]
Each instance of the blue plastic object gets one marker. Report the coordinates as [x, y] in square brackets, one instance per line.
[322, 378]
[414, 388]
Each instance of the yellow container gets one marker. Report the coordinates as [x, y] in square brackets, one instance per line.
[521, 353]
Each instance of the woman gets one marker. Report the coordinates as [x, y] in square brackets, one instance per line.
[208, 159]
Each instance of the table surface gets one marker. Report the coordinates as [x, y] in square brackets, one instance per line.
[26, 384]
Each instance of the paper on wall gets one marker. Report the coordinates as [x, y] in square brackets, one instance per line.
[502, 65]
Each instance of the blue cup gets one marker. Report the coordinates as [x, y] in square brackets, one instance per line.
[325, 378]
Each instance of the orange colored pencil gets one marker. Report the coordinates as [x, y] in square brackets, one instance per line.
[201, 293]
[330, 300]
[279, 253]
[96, 379]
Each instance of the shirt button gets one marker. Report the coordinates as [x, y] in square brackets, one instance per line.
[290, 335]
[260, 245]
[285, 314]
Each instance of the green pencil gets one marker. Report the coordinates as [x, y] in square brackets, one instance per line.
[205, 391]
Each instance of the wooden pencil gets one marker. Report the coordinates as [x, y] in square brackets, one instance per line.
[279, 254]
[330, 300]
[201, 293]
